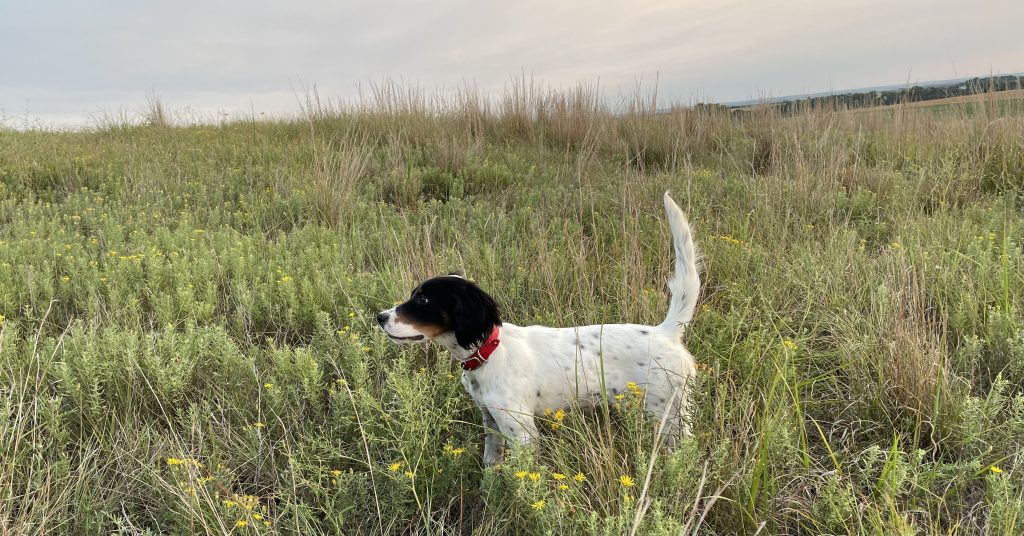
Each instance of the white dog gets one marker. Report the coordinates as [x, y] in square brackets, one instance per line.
[515, 373]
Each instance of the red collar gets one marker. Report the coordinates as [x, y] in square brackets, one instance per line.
[479, 357]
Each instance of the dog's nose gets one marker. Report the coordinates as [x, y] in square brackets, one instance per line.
[382, 317]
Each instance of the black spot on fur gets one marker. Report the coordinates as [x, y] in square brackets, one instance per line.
[644, 332]
[662, 400]
[615, 391]
[538, 394]
[474, 384]
[640, 363]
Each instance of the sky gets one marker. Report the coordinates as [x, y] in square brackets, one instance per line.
[67, 62]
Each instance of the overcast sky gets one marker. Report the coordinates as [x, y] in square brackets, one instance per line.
[62, 61]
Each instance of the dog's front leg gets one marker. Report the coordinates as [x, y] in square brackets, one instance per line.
[516, 425]
[494, 442]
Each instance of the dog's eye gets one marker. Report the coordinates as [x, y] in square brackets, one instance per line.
[422, 300]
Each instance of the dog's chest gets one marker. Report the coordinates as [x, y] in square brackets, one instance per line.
[485, 391]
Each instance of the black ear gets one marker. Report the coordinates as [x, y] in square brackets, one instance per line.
[476, 315]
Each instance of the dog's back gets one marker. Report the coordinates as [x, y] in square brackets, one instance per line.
[550, 368]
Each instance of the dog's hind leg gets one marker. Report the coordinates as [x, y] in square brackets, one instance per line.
[667, 409]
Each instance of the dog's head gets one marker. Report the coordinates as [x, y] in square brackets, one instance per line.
[447, 304]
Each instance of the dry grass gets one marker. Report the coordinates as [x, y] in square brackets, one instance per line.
[861, 364]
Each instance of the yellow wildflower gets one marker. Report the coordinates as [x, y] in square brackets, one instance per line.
[731, 240]
[627, 481]
[394, 467]
[521, 474]
[258, 424]
[268, 386]
[534, 476]
[257, 517]
[558, 476]
[539, 505]
[789, 344]
[995, 469]
[563, 487]
[579, 477]
[410, 474]
[336, 472]
[241, 524]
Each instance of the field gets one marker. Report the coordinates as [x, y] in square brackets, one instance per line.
[188, 343]
[997, 104]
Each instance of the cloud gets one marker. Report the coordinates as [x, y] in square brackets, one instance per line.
[70, 59]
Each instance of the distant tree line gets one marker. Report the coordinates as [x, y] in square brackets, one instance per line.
[973, 86]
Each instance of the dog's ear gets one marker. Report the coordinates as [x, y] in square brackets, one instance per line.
[476, 315]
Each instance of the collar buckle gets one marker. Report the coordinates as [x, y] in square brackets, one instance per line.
[480, 356]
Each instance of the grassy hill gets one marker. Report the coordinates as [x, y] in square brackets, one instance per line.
[188, 343]
[997, 104]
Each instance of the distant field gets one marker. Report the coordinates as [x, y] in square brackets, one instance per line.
[1005, 103]
[188, 343]
[1002, 102]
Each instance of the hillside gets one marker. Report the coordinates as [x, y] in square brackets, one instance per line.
[189, 343]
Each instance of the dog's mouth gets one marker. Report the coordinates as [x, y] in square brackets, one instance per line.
[413, 338]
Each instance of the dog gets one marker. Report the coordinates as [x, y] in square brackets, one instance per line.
[515, 373]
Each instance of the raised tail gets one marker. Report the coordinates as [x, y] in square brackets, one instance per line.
[685, 283]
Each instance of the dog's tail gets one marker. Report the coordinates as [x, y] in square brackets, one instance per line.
[685, 283]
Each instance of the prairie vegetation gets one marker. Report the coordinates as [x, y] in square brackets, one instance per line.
[188, 343]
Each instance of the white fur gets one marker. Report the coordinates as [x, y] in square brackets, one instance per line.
[398, 330]
[536, 368]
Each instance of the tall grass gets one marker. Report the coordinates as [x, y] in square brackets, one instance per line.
[188, 342]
